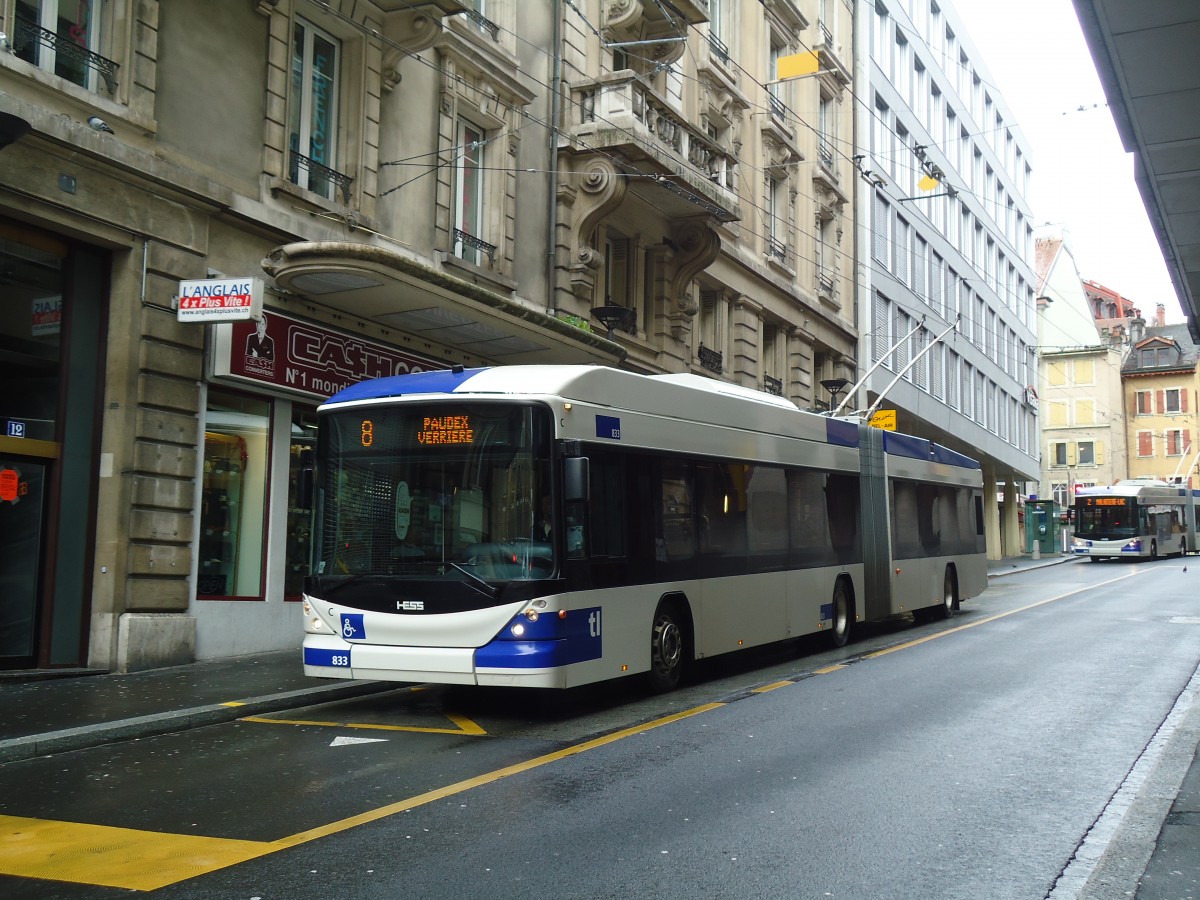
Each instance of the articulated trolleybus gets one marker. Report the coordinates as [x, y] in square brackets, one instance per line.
[1135, 519]
[552, 526]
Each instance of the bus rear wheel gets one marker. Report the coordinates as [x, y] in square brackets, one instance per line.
[949, 603]
[666, 650]
[843, 615]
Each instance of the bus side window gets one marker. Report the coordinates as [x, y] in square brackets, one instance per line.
[842, 501]
[676, 538]
[608, 516]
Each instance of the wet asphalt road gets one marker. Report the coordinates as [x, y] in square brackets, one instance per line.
[971, 764]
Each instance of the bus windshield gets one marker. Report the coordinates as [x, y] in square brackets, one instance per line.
[441, 490]
[1106, 518]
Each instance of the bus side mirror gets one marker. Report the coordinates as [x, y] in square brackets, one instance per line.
[575, 478]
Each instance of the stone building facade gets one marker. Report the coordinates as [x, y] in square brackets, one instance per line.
[416, 185]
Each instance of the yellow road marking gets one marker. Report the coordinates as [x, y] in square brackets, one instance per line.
[770, 687]
[465, 725]
[825, 671]
[147, 860]
[984, 621]
[113, 857]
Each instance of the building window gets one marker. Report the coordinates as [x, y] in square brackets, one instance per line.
[776, 218]
[233, 496]
[1145, 443]
[1171, 401]
[1153, 357]
[1145, 403]
[1058, 453]
[1086, 451]
[468, 193]
[313, 124]
[1178, 441]
[63, 37]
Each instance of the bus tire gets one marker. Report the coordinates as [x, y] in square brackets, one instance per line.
[843, 614]
[950, 599]
[668, 647]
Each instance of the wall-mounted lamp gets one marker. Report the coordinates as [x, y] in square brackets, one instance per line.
[612, 316]
[12, 128]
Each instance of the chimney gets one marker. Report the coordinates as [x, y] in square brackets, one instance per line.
[1160, 315]
[1137, 330]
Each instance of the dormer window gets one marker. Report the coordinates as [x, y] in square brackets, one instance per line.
[1156, 357]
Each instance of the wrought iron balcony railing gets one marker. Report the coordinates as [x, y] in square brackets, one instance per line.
[776, 248]
[825, 151]
[318, 178]
[474, 243]
[718, 48]
[778, 107]
[713, 360]
[72, 60]
[772, 385]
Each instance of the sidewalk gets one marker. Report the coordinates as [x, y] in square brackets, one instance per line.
[54, 715]
[1157, 860]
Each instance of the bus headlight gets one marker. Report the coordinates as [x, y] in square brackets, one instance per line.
[313, 624]
[518, 630]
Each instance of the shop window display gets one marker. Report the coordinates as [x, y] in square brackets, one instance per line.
[233, 499]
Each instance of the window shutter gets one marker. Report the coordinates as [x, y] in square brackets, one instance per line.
[1187, 441]
[1099, 451]
[1160, 402]
[1145, 445]
[1072, 454]
[1183, 399]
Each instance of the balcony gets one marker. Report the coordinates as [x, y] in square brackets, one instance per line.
[72, 60]
[320, 179]
[834, 71]
[686, 171]
[773, 385]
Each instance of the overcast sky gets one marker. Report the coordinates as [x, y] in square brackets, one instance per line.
[1082, 177]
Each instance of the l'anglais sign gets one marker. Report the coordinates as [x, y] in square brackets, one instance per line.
[303, 358]
[220, 299]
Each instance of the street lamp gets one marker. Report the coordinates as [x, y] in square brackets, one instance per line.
[612, 316]
[834, 386]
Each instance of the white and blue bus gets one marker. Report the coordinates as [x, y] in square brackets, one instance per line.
[553, 526]
[1135, 519]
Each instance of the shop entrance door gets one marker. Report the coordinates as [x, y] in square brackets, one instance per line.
[31, 309]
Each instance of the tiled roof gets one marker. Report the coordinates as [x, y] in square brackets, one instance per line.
[1171, 334]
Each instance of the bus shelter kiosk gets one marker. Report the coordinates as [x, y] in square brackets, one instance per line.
[1041, 527]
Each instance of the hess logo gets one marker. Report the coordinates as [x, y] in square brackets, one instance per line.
[410, 605]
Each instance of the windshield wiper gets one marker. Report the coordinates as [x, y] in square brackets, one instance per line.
[489, 590]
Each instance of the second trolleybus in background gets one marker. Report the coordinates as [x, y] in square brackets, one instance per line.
[1134, 519]
[552, 526]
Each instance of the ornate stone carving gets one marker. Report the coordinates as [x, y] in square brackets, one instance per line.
[622, 14]
[696, 245]
[601, 190]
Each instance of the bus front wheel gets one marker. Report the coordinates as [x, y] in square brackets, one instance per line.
[666, 650]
